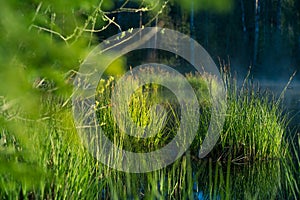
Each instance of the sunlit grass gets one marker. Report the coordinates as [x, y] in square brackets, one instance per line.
[254, 125]
[45, 158]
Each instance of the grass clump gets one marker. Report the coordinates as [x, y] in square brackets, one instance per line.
[254, 124]
[254, 127]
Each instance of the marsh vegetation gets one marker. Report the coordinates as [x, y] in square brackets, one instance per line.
[254, 157]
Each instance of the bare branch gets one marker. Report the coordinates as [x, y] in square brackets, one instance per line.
[50, 31]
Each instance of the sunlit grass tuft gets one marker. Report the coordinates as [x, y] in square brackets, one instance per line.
[255, 126]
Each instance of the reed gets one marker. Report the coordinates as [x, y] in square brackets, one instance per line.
[45, 158]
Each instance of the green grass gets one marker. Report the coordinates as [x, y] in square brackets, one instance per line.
[254, 126]
[45, 158]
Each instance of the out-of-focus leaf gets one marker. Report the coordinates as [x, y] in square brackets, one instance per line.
[209, 5]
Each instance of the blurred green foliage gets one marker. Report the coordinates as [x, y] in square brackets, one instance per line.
[211, 5]
[39, 40]
[28, 53]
